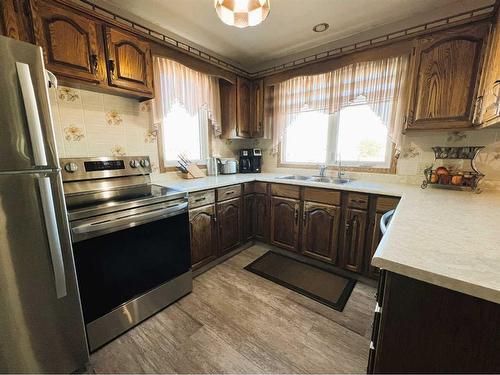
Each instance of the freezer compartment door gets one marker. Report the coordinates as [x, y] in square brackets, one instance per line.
[26, 133]
[41, 322]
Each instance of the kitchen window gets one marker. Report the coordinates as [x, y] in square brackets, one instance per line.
[355, 135]
[186, 111]
[351, 115]
[184, 133]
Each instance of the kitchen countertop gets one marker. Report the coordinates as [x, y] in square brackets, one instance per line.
[447, 238]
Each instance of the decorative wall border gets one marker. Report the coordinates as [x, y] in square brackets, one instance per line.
[443, 23]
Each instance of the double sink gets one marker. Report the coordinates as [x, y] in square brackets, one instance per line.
[331, 180]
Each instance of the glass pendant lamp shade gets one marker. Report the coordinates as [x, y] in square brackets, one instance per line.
[242, 13]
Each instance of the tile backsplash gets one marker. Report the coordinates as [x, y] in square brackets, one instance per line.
[95, 124]
[90, 124]
[417, 155]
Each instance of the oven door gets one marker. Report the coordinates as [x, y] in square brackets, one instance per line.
[123, 255]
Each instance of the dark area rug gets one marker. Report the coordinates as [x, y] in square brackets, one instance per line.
[323, 286]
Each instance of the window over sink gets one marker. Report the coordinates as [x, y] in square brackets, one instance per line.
[351, 115]
[355, 135]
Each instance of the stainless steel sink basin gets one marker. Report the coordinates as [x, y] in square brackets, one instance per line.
[294, 177]
[331, 180]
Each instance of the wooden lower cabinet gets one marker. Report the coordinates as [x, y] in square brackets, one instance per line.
[320, 231]
[248, 217]
[202, 224]
[353, 239]
[261, 217]
[229, 228]
[424, 328]
[285, 223]
[376, 237]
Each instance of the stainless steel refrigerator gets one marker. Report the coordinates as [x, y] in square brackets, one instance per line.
[41, 324]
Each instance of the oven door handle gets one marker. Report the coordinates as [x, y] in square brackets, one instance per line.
[98, 228]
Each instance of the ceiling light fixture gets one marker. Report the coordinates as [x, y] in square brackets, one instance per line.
[320, 27]
[242, 13]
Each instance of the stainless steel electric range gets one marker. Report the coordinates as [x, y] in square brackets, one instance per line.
[130, 242]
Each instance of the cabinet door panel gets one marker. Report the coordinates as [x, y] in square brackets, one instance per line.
[203, 235]
[257, 109]
[243, 94]
[129, 61]
[445, 76]
[442, 67]
[261, 217]
[248, 216]
[376, 236]
[490, 106]
[229, 217]
[70, 43]
[320, 231]
[354, 239]
[284, 223]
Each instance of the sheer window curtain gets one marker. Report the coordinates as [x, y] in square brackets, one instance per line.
[381, 83]
[176, 83]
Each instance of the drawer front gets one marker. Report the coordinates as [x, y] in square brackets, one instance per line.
[260, 187]
[385, 204]
[325, 196]
[201, 198]
[356, 200]
[228, 192]
[287, 191]
[248, 187]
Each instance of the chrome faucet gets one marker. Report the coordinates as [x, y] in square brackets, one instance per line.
[322, 169]
[340, 173]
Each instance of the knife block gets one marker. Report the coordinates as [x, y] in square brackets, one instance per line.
[193, 172]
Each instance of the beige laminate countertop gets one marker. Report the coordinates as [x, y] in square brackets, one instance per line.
[447, 238]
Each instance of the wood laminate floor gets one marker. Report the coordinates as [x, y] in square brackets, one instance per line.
[237, 322]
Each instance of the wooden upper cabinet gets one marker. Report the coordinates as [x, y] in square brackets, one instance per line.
[257, 109]
[489, 101]
[320, 223]
[353, 243]
[243, 97]
[242, 108]
[16, 21]
[285, 223]
[444, 78]
[129, 61]
[70, 42]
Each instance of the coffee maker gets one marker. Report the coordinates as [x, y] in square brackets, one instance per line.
[250, 160]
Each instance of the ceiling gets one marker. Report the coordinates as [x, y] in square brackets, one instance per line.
[287, 31]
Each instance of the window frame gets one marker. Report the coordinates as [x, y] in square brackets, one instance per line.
[331, 162]
[206, 145]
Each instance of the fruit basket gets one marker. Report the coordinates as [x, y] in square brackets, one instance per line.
[460, 180]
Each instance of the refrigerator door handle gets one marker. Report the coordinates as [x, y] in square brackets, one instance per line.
[53, 236]
[32, 114]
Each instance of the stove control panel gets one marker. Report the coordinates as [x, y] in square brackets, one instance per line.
[103, 167]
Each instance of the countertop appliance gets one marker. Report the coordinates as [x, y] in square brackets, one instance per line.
[130, 242]
[229, 166]
[41, 322]
[213, 166]
[250, 160]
